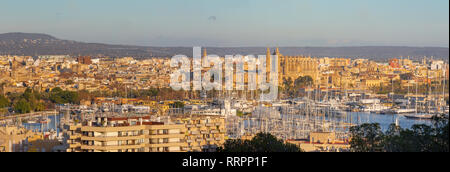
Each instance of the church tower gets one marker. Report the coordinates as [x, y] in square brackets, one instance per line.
[281, 64]
[205, 54]
[277, 51]
[268, 64]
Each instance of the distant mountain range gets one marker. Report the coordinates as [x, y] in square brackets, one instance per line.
[32, 44]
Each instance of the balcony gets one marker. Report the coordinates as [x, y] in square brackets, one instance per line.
[112, 129]
[75, 136]
[123, 135]
[194, 132]
[111, 138]
[162, 136]
[112, 147]
[209, 124]
[173, 144]
[74, 145]
[196, 148]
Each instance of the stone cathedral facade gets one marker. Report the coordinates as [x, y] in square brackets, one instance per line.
[296, 66]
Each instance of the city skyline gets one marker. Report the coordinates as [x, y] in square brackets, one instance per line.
[250, 77]
[251, 23]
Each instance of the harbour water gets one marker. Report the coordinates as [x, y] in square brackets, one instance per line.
[352, 117]
[45, 127]
[384, 120]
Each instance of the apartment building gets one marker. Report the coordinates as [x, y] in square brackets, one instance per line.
[203, 133]
[322, 142]
[133, 134]
[2, 146]
[18, 139]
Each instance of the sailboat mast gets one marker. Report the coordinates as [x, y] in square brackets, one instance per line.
[416, 98]
[443, 88]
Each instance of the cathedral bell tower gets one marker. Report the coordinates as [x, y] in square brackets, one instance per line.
[268, 64]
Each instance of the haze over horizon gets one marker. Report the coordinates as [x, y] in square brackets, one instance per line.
[246, 23]
[270, 46]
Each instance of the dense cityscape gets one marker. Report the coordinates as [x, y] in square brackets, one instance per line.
[224, 83]
[84, 103]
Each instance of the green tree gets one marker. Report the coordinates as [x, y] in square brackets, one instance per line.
[262, 142]
[39, 107]
[420, 138]
[178, 105]
[366, 138]
[303, 81]
[58, 96]
[407, 76]
[69, 82]
[71, 97]
[4, 102]
[33, 98]
[287, 84]
[239, 113]
[56, 90]
[22, 106]
[28, 94]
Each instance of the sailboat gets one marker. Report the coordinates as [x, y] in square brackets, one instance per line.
[416, 115]
[405, 109]
[397, 123]
[44, 121]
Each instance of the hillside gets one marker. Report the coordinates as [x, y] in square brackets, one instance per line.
[41, 44]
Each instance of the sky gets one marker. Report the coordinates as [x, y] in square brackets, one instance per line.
[234, 23]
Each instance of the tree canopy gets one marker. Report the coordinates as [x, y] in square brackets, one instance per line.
[420, 138]
[28, 101]
[4, 102]
[22, 106]
[292, 88]
[262, 142]
[177, 104]
[58, 96]
[303, 81]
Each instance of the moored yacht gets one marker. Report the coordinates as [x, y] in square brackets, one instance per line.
[419, 116]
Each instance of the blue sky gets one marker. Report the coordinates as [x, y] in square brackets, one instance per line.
[234, 22]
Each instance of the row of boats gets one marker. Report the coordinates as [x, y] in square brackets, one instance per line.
[39, 121]
[375, 106]
[372, 106]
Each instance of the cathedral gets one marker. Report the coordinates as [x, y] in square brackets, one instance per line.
[295, 66]
[288, 67]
